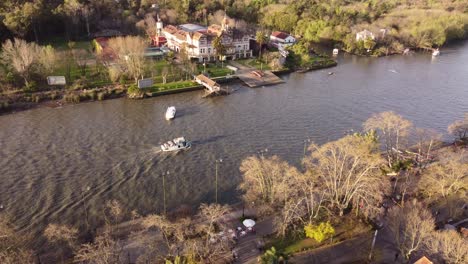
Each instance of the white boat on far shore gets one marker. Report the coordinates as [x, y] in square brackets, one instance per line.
[170, 112]
[436, 53]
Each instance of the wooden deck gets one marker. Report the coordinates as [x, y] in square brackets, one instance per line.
[258, 78]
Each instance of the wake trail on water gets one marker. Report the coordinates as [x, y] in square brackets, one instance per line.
[121, 168]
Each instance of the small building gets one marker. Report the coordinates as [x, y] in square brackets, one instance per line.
[278, 38]
[282, 37]
[423, 260]
[365, 34]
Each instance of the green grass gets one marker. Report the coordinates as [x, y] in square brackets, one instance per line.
[171, 86]
[254, 63]
[215, 70]
[62, 44]
[93, 78]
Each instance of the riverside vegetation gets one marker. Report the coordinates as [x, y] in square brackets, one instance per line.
[415, 187]
[59, 30]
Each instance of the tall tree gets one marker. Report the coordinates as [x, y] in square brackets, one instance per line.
[446, 177]
[261, 38]
[21, 56]
[410, 227]
[130, 52]
[348, 172]
[219, 47]
[392, 129]
[24, 16]
[459, 128]
[266, 181]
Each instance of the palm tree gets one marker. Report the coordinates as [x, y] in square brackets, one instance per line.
[261, 39]
[219, 47]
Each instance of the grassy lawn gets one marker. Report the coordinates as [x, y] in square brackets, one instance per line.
[62, 44]
[215, 70]
[345, 229]
[171, 86]
[254, 63]
[94, 75]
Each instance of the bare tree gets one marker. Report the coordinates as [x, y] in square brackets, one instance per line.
[115, 211]
[48, 59]
[392, 129]
[427, 140]
[61, 233]
[104, 250]
[12, 245]
[21, 56]
[448, 246]
[265, 180]
[410, 226]
[131, 54]
[81, 57]
[446, 177]
[348, 172]
[148, 25]
[459, 128]
[304, 202]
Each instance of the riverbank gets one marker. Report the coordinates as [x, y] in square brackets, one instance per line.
[19, 101]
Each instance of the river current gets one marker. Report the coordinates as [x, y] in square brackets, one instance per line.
[54, 163]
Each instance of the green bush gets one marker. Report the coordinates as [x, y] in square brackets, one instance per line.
[30, 87]
[133, 89]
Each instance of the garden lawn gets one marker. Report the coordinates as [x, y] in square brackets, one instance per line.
[254, 63]
[215, 70]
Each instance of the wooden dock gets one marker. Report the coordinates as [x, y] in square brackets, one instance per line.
[257, 78]
[212, 87]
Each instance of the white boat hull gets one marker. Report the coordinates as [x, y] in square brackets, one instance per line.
[176, 145]
[170, 113]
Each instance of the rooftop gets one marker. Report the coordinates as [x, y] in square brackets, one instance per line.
[191, 27]
[280, 35]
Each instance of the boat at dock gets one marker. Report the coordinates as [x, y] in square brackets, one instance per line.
[170, 112]
[177, 144]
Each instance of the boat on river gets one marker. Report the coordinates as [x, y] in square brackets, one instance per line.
[170, 112]
[177, 144]
[436, 53]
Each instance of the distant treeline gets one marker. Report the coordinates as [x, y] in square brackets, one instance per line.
[396, 23]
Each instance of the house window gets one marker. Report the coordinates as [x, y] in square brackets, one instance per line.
[202, 51]
[209, 50]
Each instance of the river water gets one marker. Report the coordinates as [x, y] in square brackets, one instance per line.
[54, 163]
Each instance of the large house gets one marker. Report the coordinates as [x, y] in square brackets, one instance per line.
[197, 40]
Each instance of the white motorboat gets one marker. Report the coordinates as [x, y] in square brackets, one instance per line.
[170, 112]
[177, 144]
[436, 53]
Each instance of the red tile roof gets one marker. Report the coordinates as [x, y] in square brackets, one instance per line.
[280, 35]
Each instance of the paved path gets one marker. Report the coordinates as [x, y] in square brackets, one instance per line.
[247, 247]
[245, 74]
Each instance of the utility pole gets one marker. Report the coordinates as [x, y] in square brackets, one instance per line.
[164, 190]
[373, 244]
[216, 178]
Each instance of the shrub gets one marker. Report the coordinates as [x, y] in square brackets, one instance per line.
[71, 98]
[79, 84]
[133, 89]
[321, 232]
[30, 87]
[36, 98]
[101, 96]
